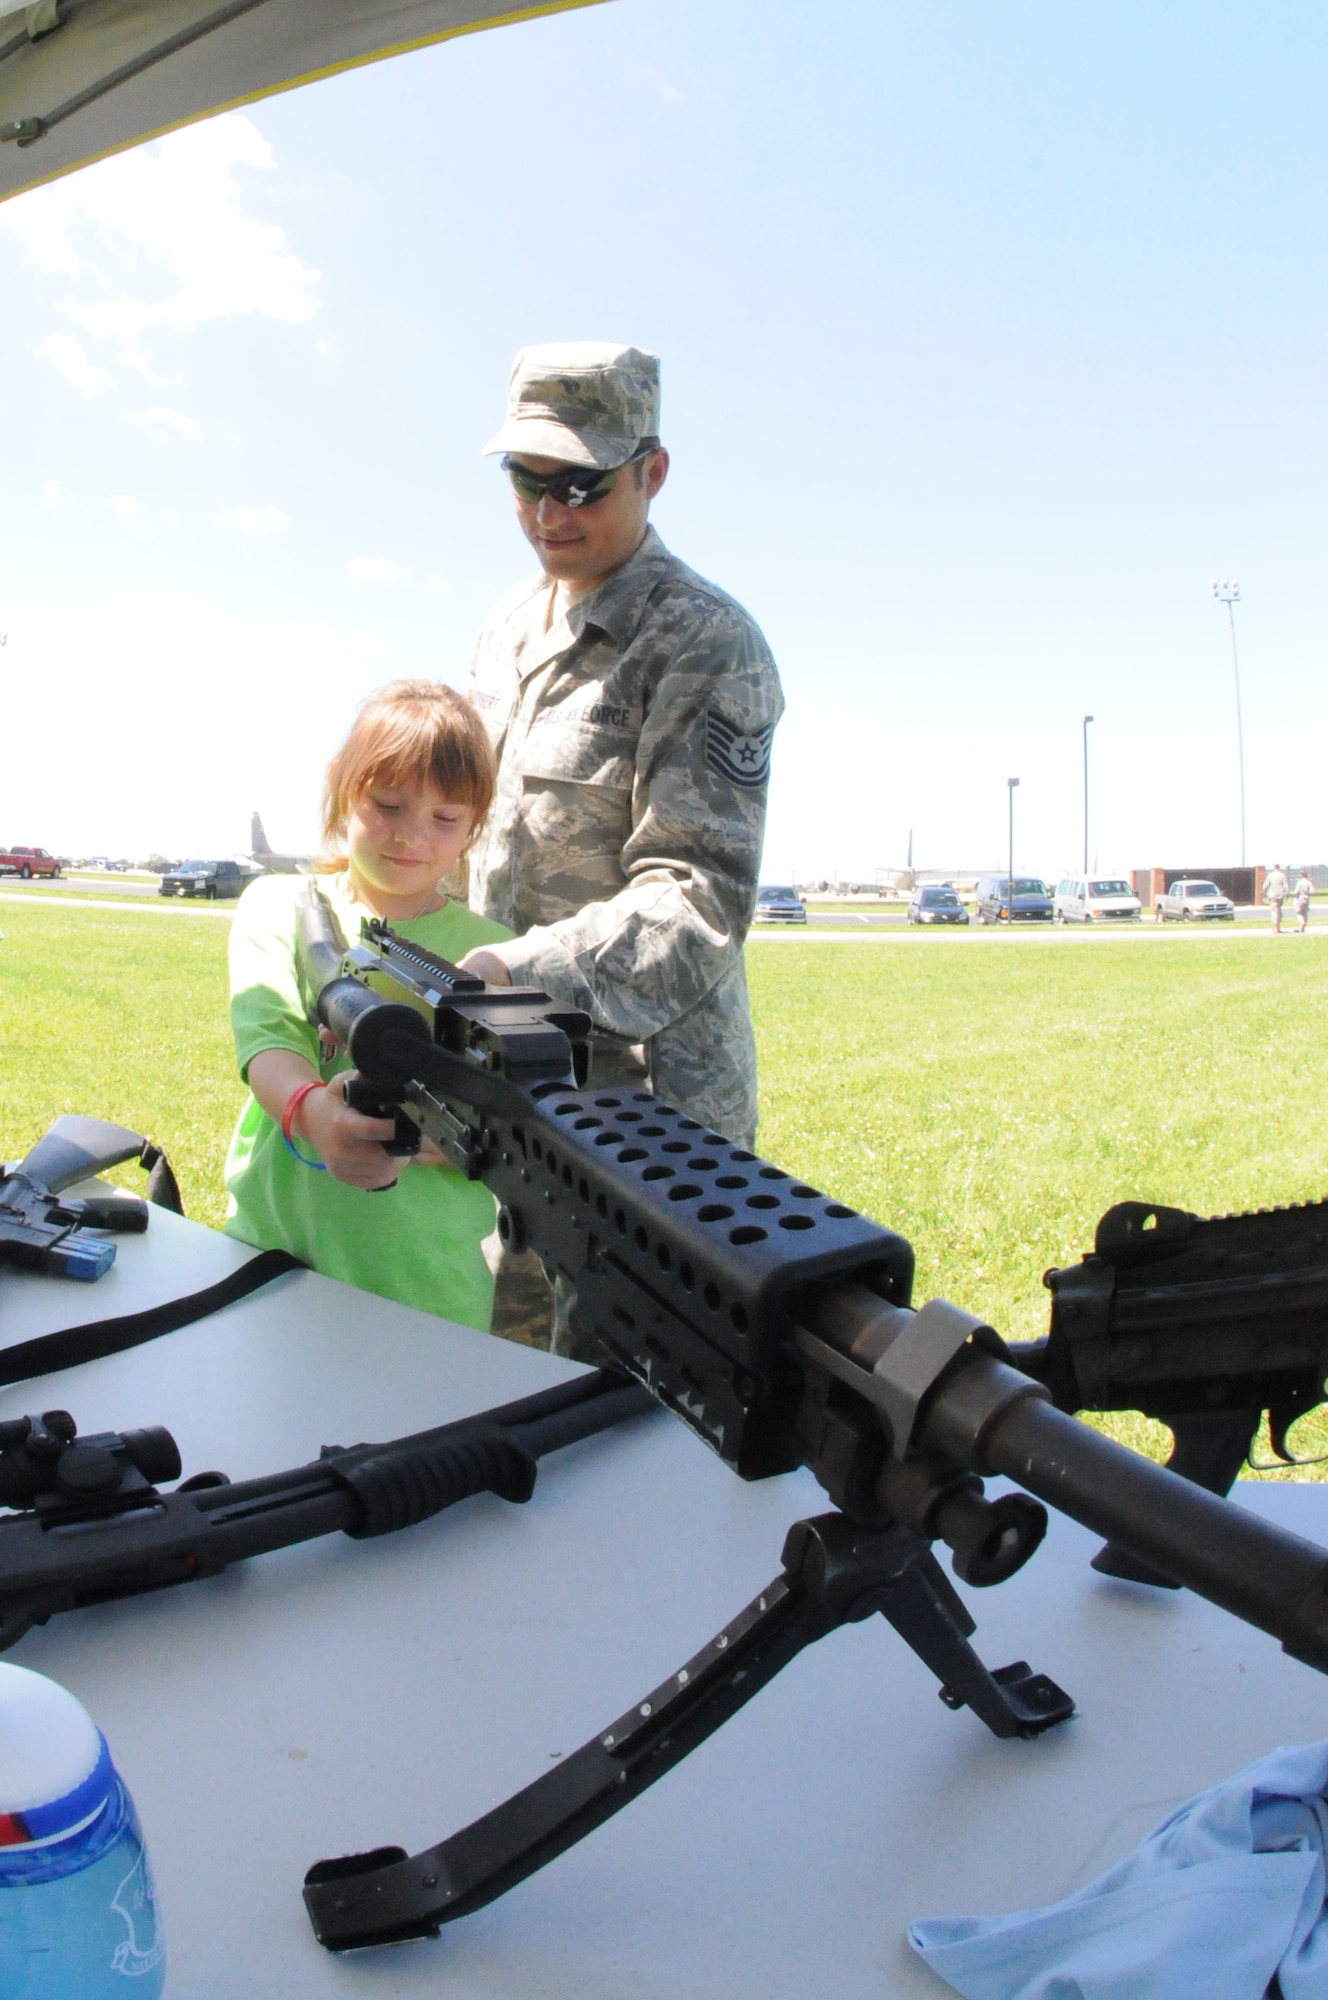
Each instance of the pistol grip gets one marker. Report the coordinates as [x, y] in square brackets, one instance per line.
[363, 1096]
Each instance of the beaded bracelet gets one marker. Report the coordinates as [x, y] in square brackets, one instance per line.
[293, 1103]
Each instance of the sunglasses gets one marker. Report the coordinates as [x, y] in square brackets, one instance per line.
[579, 486]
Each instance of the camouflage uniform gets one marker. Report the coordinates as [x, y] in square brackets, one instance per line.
[632, 726]
[633, 741]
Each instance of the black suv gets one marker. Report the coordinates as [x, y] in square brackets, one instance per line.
[204, 878]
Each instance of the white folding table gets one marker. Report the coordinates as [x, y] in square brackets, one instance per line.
[347, 1695]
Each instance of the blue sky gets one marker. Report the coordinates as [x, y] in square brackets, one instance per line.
[990, 335]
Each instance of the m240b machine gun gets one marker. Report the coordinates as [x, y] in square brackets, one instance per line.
[778, 1325]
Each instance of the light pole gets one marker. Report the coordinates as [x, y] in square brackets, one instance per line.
[1009, 880]
[1087, 720]
[1229, 594]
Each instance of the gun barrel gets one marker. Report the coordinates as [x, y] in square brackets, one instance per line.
[1263, 1574]
[990, 1418]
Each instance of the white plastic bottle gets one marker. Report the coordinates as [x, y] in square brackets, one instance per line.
[78, 1918]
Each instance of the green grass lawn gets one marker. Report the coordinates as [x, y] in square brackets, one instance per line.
[124, 1016]
[990, 1098]
[987, 1098]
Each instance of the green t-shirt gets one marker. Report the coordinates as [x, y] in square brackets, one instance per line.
[418, 1242]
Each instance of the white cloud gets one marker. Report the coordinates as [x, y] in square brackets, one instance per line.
[157, 240]
[70, 358]
[50, 492]
[125, 507]
[375, 569]
[366, 645]
[251, 520]
[163, 424]
[438, 583]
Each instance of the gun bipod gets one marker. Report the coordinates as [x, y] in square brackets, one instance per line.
[835, 1573]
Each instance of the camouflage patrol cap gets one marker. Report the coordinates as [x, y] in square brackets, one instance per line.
[586, 402]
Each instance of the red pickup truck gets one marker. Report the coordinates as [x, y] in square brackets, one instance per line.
[28, 861]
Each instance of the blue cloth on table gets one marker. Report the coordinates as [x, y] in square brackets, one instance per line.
[1221, 1898]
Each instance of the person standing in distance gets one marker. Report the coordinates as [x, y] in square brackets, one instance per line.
[1304, 890]
[1275, 891]
[631, 706]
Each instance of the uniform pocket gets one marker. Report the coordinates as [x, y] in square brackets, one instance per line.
[572, 836]
[577, 757]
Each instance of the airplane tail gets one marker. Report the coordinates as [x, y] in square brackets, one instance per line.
[258, 840]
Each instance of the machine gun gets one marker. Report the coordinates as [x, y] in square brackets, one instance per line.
[40, 1232]
[94, 1524]
[777, 1324]
[1202, 1322]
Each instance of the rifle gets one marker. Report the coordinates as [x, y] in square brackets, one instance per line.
[95, 1525]
[39, 1231]
[777, 1324]
[1202, 1322]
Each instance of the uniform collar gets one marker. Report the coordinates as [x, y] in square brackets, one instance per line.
[617, 606]
[614, 609]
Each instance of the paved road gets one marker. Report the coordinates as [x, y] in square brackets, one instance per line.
[80, 885]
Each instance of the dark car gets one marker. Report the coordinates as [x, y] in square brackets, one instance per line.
[204, 878]
[936, 904]
[1028, 895]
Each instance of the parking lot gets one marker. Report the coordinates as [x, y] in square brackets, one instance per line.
[857, 917]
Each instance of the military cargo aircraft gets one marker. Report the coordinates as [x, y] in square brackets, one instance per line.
[269, 863]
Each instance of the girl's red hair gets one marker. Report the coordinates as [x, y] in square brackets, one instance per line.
[409, 733]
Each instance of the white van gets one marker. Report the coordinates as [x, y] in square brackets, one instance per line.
[1092, 899]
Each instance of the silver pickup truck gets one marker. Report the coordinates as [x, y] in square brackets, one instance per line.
[1188, 900]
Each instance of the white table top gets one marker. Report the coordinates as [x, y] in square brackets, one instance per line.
[341, 1695]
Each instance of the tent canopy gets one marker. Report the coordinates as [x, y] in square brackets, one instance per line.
[83, 78]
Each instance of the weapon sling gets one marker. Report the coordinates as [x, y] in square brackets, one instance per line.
[96, 1338]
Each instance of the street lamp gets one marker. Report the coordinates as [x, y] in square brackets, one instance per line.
[1229, 594]
[1009, 880]
[1087, 720]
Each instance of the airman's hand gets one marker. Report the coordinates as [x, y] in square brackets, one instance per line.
[486, 965]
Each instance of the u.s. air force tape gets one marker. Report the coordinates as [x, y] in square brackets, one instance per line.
[741, 756]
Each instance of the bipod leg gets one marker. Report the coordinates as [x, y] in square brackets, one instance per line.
[930, 1617]
[835, 1573]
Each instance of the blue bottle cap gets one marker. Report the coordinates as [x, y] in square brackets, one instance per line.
[55, 1769]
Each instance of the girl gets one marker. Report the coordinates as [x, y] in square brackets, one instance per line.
[405, 796]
